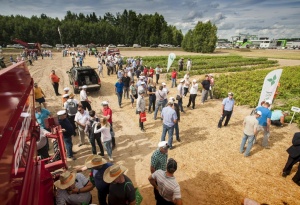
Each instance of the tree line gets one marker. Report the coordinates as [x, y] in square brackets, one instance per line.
[202, 38]
[125, 28]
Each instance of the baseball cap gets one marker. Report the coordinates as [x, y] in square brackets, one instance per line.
[230, 93]
[171, 165]
[61, 112]
[269, 102]
[142, 83]
[182, 81]
[84, 87]
[163, 83]
[163, 144]
[65, 95]
[172, 98]
[258, 112]
[170, 102]
[104, 103]
[66, 89]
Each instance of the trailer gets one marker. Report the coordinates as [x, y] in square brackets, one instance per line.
[25, 179]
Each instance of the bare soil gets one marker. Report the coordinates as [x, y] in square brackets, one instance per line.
[210, 168]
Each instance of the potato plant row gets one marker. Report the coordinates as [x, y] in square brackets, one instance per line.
[247, 87]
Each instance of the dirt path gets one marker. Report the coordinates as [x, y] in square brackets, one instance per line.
[210, 168]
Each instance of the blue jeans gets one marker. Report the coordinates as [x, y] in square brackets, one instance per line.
[120, 98]
[68, 145]
[174, 82]
[170, 131]
[176, 127]
[250, 139]
[108, 148]
[157, 106]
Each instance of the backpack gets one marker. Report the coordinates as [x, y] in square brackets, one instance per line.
[72, 108]
[91, 128]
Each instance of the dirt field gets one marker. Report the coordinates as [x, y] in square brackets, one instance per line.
[210, 168]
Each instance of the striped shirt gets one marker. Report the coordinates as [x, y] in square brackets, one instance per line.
[168, 187]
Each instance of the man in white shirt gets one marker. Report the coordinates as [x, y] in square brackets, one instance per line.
[180, 92]
[165, 89]
[81, 119]
[188, 65]
[85, 102]
[193, 94]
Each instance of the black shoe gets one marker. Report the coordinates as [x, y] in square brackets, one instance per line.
[80, 145]
[101, 154]
[178, 140]
[284, 174]
[171, 148]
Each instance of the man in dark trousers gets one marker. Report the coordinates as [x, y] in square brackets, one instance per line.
[227, 109]
[176, 126]
[294, 157]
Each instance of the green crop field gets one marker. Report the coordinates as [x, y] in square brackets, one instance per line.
[246, 79]
[214, 64]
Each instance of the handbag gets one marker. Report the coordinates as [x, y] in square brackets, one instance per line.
[138, 196]
[143, 116]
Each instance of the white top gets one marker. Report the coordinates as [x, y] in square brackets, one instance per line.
[83, 95]
[189, 63]
[180, 90]
[43, 139]
[194, 88]
[165, 89]
[82, 118]
[105, 133]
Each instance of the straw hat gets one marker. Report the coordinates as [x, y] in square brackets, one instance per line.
[94, 161]
[113, 172]
[66, 179]
[71, 95]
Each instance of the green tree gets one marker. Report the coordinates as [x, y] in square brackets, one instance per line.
[202, 38]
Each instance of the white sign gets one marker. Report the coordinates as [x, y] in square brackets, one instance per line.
[269, 87]
[171, 58]
[294, 109]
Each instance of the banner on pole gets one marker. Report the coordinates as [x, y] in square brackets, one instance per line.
[269, 87]
[59, 31]
[171, 58]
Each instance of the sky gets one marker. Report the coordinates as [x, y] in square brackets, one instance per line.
[264, 18]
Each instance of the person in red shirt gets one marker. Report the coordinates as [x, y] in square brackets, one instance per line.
[107, 113]
[174, 77]
[151, 72]
[55, 81]
[145, 71]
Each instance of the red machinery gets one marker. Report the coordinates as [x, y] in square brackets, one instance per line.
[24, 179]
[30, 47]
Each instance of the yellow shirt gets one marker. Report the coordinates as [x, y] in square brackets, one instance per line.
[38, 93]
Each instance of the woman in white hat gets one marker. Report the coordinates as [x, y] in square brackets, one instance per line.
[193, 94]
[105, 136]
[121, 190]
[98, 165]
[73, 188]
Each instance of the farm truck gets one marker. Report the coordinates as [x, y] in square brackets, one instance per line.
[30, 47]
[25, 179]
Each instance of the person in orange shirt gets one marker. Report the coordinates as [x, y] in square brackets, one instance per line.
[55, 82]
[39, 95]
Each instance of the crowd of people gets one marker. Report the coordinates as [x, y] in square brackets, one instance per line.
[135, 82]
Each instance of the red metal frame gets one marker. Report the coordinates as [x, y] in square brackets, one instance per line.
[24, 180]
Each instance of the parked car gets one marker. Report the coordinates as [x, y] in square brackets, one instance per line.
[153, 46]
[120, 45]
[46, 46]
[80, 76]
[111, 46]
[137, 46]
[18, 46]
[10, 46]
[59, 46]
